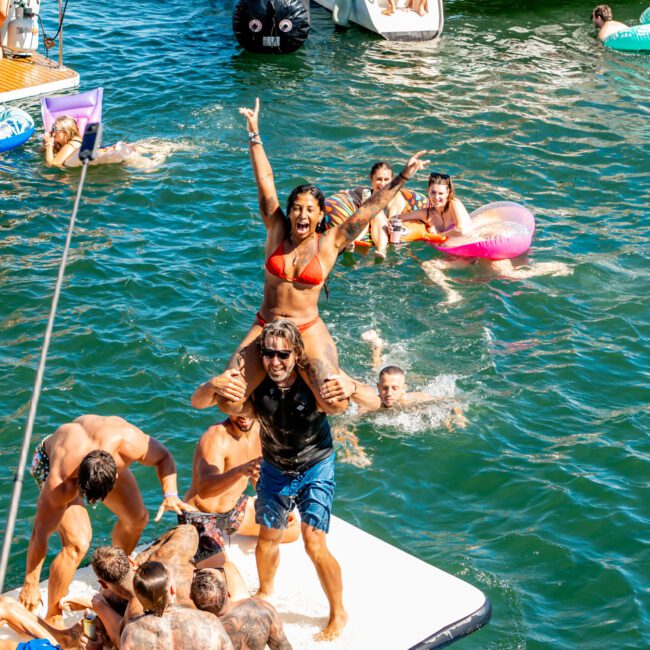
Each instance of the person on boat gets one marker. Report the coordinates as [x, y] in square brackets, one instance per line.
[226, 458]
[89, 458]
[299, 257]
[164, 626]
[381, 174]
[63, 142]
[445, 212]
[298, 462]
[251, 623]
[115, 572]
[38, 634]
[604, 22]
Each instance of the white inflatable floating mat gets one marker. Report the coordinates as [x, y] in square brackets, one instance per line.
[395, 601]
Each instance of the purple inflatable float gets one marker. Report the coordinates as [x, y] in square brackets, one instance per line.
[85, 108]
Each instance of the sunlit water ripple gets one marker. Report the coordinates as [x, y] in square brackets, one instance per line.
[541, 501]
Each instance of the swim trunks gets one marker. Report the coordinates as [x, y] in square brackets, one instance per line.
[311, 274]
[212, 526]
[40, 467]
[301, 328]
[36, 644]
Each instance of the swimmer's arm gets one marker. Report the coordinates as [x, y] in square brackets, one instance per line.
[462, 220]
[211, 479]
[266, 193]
[352, 227]
[110, 618]
[59, 159]
[417, 215]
[420, 397]
[229, 386]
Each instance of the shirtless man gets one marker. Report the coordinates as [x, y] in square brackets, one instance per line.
[164, 626]
[115, 572]
[602, 18]
[227, 456]
[251, 623]
[89, 458]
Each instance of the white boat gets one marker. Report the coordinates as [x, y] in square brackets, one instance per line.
[395, 601]
[403, 25]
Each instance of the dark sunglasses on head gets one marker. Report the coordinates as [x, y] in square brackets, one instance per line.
[445, 177]
[269, 353]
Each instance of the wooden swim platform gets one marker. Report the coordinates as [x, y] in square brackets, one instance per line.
[34, 75]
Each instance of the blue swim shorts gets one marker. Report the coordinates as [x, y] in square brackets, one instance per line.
[37, 644]
[312, 491]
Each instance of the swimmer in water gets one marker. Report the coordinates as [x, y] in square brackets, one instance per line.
[63, 142]
[381, 175]
[604, 22]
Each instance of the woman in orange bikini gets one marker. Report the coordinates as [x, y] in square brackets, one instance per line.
[299, 257]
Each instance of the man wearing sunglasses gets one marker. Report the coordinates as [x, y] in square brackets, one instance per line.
[297, 468]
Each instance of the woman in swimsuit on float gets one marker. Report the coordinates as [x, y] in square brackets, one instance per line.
[299, 256]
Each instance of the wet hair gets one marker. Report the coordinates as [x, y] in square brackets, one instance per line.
[317, 194]
[209, 591]
[436, 178]
[111, 564]
[284, 328]
[380, 165]
[391, 370]
[150, 584]
[602, 11]
[97, 475]
[67, 125]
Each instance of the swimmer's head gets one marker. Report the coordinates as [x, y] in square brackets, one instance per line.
[242, 423]
[154, 587]
[209, 591]
[97, 475]
[391, 386]
[381, 175]
[601, 14]
[441, 190]
[306, 211]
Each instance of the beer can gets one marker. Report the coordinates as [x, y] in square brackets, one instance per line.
[395, 231]
[88, 623]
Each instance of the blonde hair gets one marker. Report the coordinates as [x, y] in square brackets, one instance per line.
[67, 125]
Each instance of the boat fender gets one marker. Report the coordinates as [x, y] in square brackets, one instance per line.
[271, 26]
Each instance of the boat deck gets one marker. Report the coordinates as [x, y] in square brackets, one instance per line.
[34, 75]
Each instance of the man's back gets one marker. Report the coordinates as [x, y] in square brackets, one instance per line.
[179, 628]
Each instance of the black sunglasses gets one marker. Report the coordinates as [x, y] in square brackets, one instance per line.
[444, 177]
[269, 353]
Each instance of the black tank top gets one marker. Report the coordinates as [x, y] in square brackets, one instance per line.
[295, 435]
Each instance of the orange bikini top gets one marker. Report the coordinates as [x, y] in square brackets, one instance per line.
[312, 273]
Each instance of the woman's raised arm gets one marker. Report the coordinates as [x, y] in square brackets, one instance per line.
[266, 192]
[350, 229]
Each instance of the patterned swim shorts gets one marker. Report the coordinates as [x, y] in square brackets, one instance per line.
[212, 526]
[40, 466]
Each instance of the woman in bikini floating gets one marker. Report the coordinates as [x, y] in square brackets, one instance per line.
[63, 142]
[445, 213]
[299, 257]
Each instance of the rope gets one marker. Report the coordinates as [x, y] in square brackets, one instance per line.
[20, 472]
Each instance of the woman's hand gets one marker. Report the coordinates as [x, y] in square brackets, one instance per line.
[414, 165]
[48, 138]
[252, 115]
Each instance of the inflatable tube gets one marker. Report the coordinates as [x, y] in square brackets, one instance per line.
[633, 39]
[16, 127]
[271, 26]
[83, 107]
[501, 230]
[645, 17]
[340, 206]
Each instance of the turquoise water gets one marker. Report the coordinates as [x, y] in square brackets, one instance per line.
[540, 500]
